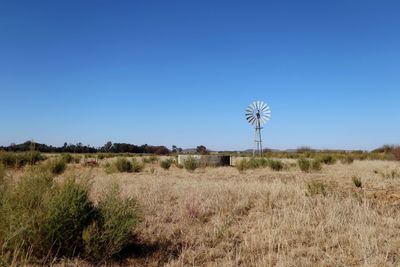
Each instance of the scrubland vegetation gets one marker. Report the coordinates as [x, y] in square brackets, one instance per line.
[309, 210]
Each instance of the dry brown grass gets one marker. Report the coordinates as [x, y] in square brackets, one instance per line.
[221, 217]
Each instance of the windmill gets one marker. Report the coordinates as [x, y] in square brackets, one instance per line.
[258, 113]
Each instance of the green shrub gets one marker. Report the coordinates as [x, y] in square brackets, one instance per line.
[242, 165]
[110, 168]
[67, 158]
[316, 165]
[46, 220]
[255, 163]
[328, 159]
[2, 172]
[316, 188]
[69, 211]
[304, 164]
[396, 153]
[56, 166]
[77, 159]
[137, 166]
[123, 165]
[151, 159]
[347, 160]
[357, 181]
[190, 164]
[113, 227]
[276, 165]
[20, 159]
[165, 164]
[23, 214]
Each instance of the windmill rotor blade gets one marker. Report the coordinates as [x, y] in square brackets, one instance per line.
[265, 108]
[263, 105]
[253, 105]
[249, 115]
[249, 118]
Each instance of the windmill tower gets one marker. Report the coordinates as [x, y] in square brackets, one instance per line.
[258, 113]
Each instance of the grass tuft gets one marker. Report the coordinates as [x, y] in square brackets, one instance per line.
[190, 164]
[56, 166]
[316, 188]
[166, 164]
[357, 181]
[304, 164]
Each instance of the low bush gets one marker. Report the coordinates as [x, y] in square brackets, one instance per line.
[77, 159]
[2, 172]
[67, 157]
[47, 220]
[328, 159]
[347, 159]
[113, 226]
[56, 166]
[316, 188]
[255, 163]
[110, 168]
[396, 153]
[356, 181]
[316, 165]
[101, 156]
[275, 165]
[137, 166]
[165, 164]
[190, 164]
[242, 165]
[68, 212]
[20, 159]
[123, 165]
[151, 159]
[304, 164]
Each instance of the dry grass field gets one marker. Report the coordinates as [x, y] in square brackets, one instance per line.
[223, 217]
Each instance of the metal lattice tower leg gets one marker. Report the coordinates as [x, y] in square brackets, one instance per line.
[257, 141]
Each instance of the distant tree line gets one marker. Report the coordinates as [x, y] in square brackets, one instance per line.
[80, 148]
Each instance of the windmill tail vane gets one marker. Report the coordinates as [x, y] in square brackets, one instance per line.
[257, 114]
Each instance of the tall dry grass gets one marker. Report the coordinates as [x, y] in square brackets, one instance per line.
[258, 217]
[223, 217]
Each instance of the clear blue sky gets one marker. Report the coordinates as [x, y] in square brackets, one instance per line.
[183, 72]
